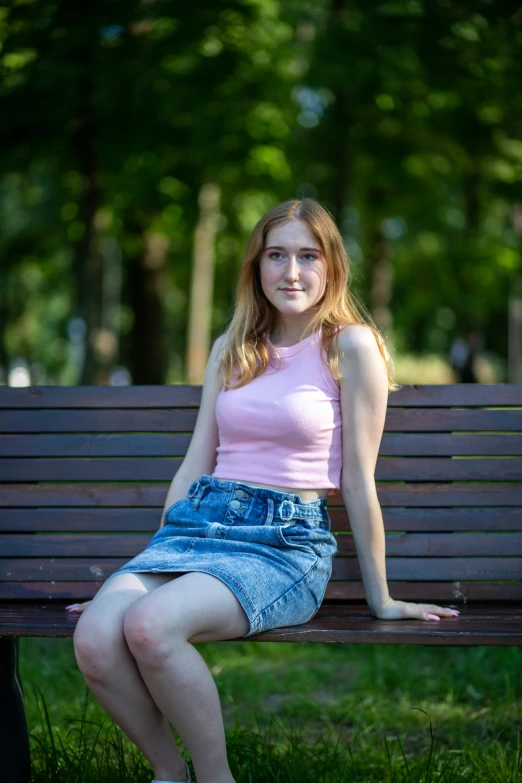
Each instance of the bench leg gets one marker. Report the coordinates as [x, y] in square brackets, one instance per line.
[15, 762]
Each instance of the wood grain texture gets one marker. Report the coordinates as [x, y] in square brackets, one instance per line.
[180, 419]
[139, 468]
[397, 545]
[146, 519]
[425, 396]
[415, 569]
[478, 624]
[460, 593]
[417, 495]
[156, 445]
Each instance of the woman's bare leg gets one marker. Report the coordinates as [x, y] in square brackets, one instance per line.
[159, 629]
[112, 675]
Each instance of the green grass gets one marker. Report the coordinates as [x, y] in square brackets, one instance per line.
[304, 712]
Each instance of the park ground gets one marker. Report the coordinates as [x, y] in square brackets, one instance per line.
[297, 713]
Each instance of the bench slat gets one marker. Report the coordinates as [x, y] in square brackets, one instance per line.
[409, 568]
[353, 625]
[176, 396]
[143, 495]
[430, 568]
[478, 624]
[442, 544]
[184, 420]
[157, 445]
[449, 419]
[445, 593]
[121, 520]
[460, 591]
[426, 396]
[397, 544]
[124, 420]
[439, 519]
[157, 469]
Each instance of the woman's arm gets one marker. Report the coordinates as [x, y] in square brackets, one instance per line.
[367, 526]
[364, 400]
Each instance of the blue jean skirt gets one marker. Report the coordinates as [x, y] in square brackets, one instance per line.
[273, 550]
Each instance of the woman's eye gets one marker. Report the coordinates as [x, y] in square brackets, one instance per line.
[275, 255]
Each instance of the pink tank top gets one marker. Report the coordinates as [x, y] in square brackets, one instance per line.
[283, 427]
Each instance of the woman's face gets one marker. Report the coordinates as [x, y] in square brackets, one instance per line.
[292, 259]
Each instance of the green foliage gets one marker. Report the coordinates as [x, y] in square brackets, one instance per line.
[404, 118]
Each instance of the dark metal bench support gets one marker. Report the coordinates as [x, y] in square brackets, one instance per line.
[15, 762]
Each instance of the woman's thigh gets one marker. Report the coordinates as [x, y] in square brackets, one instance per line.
[118, 592]
[198, 606]
[99, 630]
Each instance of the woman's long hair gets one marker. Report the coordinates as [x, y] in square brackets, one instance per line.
[245, 347]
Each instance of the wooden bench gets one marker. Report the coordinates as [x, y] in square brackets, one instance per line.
[84, 472]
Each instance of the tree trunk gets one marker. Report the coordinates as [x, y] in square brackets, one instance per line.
[343, 112]
[343, 175]
[382, 282]
[381, 269]
[87, 261]
[147, 343]
[202, 287]
[515, 311]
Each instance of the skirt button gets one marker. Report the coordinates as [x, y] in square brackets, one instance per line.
[235, 504]
[240, 493]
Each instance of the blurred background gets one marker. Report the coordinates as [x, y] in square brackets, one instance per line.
[142, 140]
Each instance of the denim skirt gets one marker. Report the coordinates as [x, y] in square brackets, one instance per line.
[273, 550]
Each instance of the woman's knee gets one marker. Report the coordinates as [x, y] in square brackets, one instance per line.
[150, 634]
[98, 645]
[197, 607]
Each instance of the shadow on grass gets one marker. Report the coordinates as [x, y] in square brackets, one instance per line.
[94, 752]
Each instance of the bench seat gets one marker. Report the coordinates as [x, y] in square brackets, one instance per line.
[483, 623]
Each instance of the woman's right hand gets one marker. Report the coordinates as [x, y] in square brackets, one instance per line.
[79, 608]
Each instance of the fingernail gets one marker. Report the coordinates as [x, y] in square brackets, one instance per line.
[73, 606]
[433, 617]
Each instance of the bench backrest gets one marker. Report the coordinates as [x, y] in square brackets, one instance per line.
[84, 472]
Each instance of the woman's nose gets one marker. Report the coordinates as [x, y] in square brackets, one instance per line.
[292, 269]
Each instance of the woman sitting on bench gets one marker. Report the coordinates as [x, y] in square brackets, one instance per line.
[293, 407]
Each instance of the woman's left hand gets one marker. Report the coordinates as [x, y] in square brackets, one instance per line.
[77, 607]
[403, 610]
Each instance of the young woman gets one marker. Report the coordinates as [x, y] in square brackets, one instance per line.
[293, 407]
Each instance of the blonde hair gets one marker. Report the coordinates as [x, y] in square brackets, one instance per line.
[245, 346]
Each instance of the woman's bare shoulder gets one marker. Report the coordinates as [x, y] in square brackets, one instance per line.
[353, 337]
